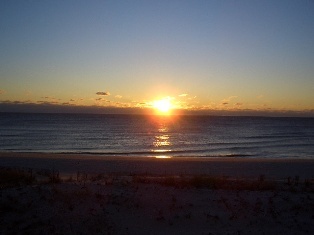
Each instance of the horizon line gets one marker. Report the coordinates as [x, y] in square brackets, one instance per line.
[80, 109]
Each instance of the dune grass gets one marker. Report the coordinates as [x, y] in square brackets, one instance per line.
[15, 177]
[211, 182]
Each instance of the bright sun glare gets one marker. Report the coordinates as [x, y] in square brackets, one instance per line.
[162, 106]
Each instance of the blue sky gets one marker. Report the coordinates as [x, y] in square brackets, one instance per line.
[201, 55]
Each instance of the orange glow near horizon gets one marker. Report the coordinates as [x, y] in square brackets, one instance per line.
[163, 106]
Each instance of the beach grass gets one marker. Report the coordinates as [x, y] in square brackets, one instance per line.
[15, 176]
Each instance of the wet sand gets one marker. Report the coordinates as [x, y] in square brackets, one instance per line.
[233, 167]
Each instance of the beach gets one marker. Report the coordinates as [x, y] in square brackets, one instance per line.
[93, 194]
[277, 168]
[157, 117]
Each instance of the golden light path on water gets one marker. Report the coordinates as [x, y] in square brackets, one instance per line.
[161, 141]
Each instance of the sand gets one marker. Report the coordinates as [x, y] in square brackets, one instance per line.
[236, 167]
[136, 195]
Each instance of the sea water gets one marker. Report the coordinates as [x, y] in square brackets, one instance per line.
[159, 136]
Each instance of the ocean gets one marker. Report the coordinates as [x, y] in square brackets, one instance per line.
[158, 136]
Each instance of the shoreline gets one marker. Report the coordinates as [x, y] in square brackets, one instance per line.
[243, 167]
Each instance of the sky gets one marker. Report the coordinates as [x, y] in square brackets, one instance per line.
[206, 56]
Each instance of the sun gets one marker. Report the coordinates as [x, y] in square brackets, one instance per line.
[163, 106]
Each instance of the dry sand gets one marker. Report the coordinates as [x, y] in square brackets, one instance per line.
[127, 195]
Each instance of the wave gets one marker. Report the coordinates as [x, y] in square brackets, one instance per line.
[142, 136]
[154, 154]
[175, 154]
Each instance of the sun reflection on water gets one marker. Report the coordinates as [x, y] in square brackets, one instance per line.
[163, 157]
[161, 141]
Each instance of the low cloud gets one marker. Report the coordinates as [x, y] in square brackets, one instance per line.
[183, 95]
[227, 100]
[16, 102]
[49, 98]
[47, 102]
[5, 102]
[102, 100]
[141, 105]
[2, 92]
[20, 102]
[105, 93]
[118, 96]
